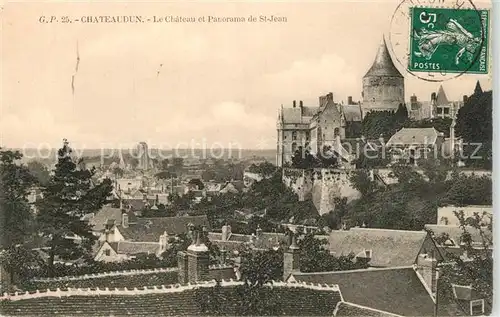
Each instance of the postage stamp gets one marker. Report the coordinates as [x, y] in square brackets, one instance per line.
[448, 40]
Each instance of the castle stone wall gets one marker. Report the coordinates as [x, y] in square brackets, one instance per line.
[320, 185]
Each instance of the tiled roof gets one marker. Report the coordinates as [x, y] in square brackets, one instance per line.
[414, 136]
[103, 216]
[395, 290]
[300, 300]
[132, 247]
[150, 229]
[390, 248]
[350, 309]
[383, 65]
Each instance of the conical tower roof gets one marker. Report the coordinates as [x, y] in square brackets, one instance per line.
[383, 65]
[441, 98]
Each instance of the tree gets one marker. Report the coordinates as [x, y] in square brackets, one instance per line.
[265, 169]
[475, 123]
[15, 183]
[303, 159]
[134, 162]
[401, 114]
[261, 267]
[68, 196]
[377, 123]
[164, 165]
[475, 267]
[314, 257]
[118, 172]
[39, 171]
[197, 182]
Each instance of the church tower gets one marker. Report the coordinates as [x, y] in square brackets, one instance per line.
[383, 84]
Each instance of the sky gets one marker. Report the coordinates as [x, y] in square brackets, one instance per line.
[177, 84]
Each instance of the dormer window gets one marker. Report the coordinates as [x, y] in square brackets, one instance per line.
[107, 252]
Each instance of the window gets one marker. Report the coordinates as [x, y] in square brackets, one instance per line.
[414, 106]
[294, 135]
[294, 147]
[336, 132]
[308, 135]
[446, 110]
[107, 252]
[439, 110]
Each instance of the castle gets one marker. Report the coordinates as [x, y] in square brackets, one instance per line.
[329, 122]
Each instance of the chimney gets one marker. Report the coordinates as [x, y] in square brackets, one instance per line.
[198, 261]
[182, 264]
[258, 233]
[163, 242]
[291, 259]
[125, 220]
[427, 267]
[301, 103]
[225, 235]
[433, 96]
[465, 98]
[294, 103]
[349, 100]
[329, 96]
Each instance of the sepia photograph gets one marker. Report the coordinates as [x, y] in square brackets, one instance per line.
[246, 158]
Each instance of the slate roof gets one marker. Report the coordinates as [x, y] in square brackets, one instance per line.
[297, 116]
[383, 64]
[102, 216]
[414, 136]
[394, 290]
[128, 247]
[150, 229]
[390, 248]
[350, 309]
[441, 99]
[352, 113]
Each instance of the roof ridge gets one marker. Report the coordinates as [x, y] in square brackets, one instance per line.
[372, 269]
[382, 229]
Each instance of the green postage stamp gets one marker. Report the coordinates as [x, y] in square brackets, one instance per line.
[448, 40]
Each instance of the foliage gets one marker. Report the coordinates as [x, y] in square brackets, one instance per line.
[475, 125]
[265, 169]
[15, 183]
[164, 165]
[379, 123]
[314, 257]
[260, 267]
[304, 159]
[118, 172]
[39, 171]
[20, 262]
[197, 182]
[412, 202]
[68, 196]
[476, 269]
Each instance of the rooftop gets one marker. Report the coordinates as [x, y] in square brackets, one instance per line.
[383, 64]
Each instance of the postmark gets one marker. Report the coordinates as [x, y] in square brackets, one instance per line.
[448, 40]
[438, 40]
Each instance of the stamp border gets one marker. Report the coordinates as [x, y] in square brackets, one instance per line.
[485, 43]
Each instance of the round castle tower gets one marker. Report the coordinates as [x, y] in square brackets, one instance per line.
[383, 84]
